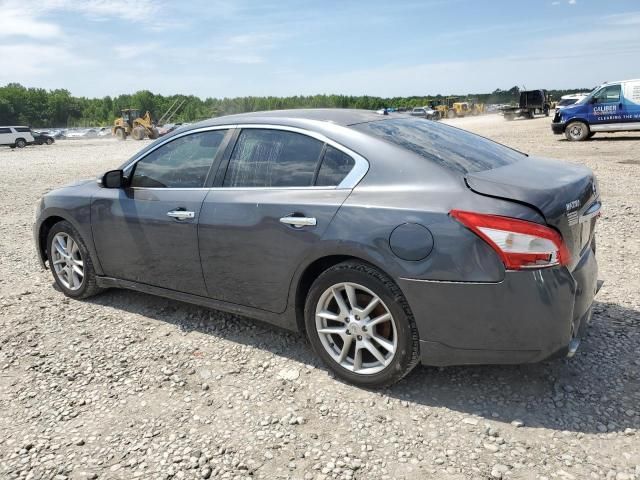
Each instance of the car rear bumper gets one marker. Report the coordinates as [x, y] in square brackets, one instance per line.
[528, 317]
[557, 128]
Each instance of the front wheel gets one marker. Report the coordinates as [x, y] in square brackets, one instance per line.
[49, 141]
[70, 262]
[577, 131]
[360, 325]
[451, 114]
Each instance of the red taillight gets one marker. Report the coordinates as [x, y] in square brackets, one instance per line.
[520, 244]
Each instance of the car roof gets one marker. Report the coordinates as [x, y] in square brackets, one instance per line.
[338, 116]
[621, 81]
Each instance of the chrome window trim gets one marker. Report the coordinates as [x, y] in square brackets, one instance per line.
[357, 173]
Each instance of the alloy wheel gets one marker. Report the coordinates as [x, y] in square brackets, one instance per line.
[356, 328]
[67, 261]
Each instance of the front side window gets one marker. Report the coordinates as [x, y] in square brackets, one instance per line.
[273, 158]
[182, 163]
[610, 94]
[336, 165]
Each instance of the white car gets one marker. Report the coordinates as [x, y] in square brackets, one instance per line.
[567, 100]
[16, 136]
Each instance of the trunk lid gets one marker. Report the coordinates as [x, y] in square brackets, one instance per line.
[565, 194]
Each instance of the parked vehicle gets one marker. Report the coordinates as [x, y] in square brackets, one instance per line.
[425, 112]
[389, 240]
[532, 102]
[611, 107]
[14, 137]
[567, 100]
[42, 138]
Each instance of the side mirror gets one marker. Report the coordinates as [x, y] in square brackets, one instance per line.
[112, 179]
[593, 100]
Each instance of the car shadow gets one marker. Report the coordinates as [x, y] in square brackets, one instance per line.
[597, 391]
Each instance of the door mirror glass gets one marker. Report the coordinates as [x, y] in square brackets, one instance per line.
[113, 179]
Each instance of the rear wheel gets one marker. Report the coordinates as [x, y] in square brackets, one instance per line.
[577, 131]
[70, 262]
[21, 143]
[154, 133]
[120, 134]
[360, 325]
[451, 114]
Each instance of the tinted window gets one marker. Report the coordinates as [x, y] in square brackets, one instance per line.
[609, 94]
[273, 158]
[182, 163]
[450, 147]
[335, 166]
[5, 130]
[22, 129]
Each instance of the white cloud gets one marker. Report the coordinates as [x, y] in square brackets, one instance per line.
[572, 2]
[14, 22]
[28, 60]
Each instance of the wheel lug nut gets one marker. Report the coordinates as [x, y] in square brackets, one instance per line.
[364, 328]
[357, 317]
[359, 337]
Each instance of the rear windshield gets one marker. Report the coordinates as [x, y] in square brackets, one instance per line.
[450, 147]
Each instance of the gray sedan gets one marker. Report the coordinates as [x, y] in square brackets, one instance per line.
[390, 241]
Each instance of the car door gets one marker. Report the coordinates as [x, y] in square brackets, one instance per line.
[632, 104]
[6, 137]
[606, 106]
[281, 189]
[147, 232]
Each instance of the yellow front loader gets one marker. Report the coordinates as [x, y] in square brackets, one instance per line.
[132, 124]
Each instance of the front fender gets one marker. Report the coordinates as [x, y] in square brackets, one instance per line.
[78, 215]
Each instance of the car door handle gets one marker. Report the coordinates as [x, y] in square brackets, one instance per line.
[181, 214]
[299, 221]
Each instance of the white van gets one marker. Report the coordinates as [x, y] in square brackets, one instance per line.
[16, 136]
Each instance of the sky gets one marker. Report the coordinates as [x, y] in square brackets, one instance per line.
[228, 48]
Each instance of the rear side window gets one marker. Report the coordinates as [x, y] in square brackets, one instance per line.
[273, 158]
[22, 129]
[181, 163]
[449, 147]
[335, 166]
[5, 130]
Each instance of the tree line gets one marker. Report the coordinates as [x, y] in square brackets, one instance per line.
[38, 107]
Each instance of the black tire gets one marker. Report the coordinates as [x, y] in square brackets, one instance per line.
[49, 141]
[509, 118]
[21, 143]
[576, 131]
[451, 113]
[88, 287]
[591, 134]
[120, 134]
[407, 352]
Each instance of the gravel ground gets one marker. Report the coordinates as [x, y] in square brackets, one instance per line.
[126, 385]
